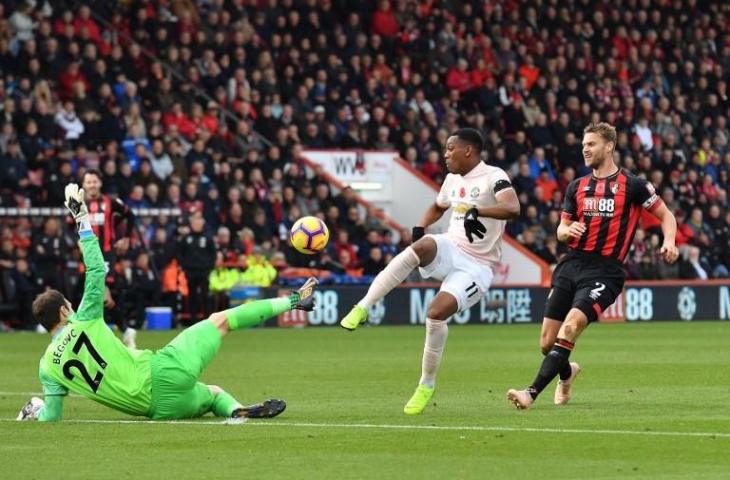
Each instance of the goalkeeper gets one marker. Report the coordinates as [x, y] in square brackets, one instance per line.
[85, 357]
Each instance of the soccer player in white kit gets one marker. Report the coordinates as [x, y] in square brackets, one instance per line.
[482, 199]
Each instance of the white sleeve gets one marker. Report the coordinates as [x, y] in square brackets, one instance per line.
[442, 199]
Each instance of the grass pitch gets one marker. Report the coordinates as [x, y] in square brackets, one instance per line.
[652, 402]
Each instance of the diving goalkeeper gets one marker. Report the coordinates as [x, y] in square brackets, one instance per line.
[85, 356]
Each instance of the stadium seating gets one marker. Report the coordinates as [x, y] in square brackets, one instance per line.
[204, 106]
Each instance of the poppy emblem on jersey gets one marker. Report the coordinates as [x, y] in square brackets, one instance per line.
[474, 192]
[462, 192]
[615, 187]
[600, 188]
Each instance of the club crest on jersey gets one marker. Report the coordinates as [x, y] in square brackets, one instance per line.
[615, 187]
[462, 192]
[474, 192]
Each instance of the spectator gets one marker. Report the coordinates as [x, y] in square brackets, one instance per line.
[160, 160]
[49, 254]
[67, 120]
[196, 252]
[384, 21]
[548, 185]
[146, 285]
[26, 288]
[374, 263]
[259, 270]
[538, 164]
[223, 277]
[692, 266]
[13, 168]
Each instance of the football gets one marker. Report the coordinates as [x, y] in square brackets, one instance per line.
[309, 235]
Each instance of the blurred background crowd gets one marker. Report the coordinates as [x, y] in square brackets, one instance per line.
[206, 105]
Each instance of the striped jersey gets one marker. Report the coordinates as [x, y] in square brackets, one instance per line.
[104, 215]
[610, 208]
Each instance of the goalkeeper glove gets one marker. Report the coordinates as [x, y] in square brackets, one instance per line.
[31, 410]
[472, 225]
[75, 204]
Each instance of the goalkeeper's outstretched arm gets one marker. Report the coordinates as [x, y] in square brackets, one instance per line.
[49, 409]
[92, 303]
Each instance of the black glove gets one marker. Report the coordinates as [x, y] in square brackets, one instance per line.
[417, 233]
[473, 226]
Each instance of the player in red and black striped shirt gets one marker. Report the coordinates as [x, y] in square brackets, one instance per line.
[599, 219]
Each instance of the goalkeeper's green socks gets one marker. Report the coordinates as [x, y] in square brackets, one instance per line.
[224, 404]
[256, 312]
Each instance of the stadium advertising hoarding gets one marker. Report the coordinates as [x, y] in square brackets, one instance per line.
[407, 305]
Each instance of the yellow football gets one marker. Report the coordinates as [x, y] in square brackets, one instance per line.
[309, 235]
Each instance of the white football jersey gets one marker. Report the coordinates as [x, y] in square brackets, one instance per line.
[475, 189]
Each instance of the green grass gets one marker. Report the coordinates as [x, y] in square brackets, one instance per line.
[639, 378]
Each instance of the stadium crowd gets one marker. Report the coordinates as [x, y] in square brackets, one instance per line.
[206, 105]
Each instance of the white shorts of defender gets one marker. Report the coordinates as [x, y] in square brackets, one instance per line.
[461, 275]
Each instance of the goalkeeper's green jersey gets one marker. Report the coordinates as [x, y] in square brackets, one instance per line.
[86, 357]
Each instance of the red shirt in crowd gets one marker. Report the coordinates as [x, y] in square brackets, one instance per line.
[185, 126]
[384, 22]
[458, 80]
[68, 78]
[91, 26]
[529, 73]
[548, 187]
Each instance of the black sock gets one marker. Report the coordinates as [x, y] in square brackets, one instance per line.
[554, 362]
[565, 371]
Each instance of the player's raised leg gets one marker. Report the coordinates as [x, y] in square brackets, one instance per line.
[256, 312]
[555, 360]
[176, 367]
[437, 331]
[420, 253]
[197, 345]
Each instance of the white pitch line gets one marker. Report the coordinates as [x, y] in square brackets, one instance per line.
[457, 428]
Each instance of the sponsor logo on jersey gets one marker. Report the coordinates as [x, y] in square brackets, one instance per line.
[598, 207]
[461, 208]
[96, 218]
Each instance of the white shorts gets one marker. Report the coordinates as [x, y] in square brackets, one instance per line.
[460, 274]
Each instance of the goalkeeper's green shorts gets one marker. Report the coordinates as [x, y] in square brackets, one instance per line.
[176, 391]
